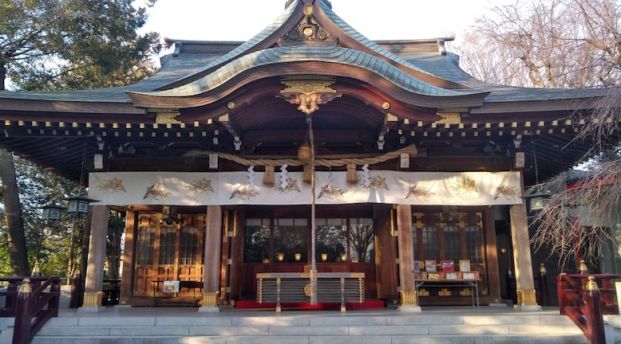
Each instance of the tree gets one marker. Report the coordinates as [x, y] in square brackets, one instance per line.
[71, 44]
[16, 238]
[65, 44]
[531, 44]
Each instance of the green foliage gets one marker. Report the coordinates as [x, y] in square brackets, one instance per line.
[71, 44]
[5, 267]
[49, 244]
[57, 45]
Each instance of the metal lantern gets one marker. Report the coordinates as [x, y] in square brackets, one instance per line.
[537, 201]
[78, 205]
[52, 212]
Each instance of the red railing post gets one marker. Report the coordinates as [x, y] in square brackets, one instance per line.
[593, 312]
[23, 314]
[561, 286]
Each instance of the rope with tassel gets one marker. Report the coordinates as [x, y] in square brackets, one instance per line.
[411, 149]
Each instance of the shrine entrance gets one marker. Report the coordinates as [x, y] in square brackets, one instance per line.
[277, 239]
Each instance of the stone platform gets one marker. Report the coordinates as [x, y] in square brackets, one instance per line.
[433, 325]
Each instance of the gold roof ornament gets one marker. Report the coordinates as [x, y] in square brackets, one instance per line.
[309, 94]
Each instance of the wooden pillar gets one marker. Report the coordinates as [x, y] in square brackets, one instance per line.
[526, 298]
[127, 274]
[96, 255]
[237, 253]
[491, 251]
[385, 254]
[211, 263]
[409, 301]
[225, 262]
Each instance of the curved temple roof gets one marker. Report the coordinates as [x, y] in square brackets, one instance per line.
[421, 68]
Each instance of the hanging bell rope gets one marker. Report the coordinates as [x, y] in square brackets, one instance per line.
[411, 150]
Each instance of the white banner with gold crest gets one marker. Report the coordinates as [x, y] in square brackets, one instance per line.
[230, 188]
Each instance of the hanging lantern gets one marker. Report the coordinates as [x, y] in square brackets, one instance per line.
[307, 176]
[352, 174]
[268, 176]
[305, 153]
[52, 212]
[78, 205]
[537, 201]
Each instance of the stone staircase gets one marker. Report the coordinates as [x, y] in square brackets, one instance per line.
[389, 327]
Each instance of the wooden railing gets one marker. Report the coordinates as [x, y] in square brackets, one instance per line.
[32, 304]
[332, 287]
[583, 300]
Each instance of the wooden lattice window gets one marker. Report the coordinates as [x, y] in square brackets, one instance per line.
[452, 242]
[146, 239]
[362, 240]
[431, 247]
[189, 247]
[453, 236]
[168, 243]
[474, 238]
[291, 239]
[331, 239]
[257, 240]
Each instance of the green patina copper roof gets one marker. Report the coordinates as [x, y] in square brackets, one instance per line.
[176, 68]
[329, 54]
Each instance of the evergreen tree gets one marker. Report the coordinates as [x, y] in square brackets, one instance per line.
[53, 45]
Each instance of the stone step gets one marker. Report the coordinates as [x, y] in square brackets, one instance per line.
[311, 329]
[444, 339]
[387, 330]
[312, 321]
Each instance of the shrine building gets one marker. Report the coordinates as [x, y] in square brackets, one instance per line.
[308, 165]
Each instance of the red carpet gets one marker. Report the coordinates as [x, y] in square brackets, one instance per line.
[369, 304]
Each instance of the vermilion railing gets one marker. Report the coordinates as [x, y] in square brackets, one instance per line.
[585, 299]
[32, 301]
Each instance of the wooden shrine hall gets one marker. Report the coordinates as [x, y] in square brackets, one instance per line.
[307, 165]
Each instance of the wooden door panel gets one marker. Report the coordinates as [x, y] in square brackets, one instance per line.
[146, 274]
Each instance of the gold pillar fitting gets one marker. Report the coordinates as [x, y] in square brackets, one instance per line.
[25, 287]
[408, 298]
[591, 284]
[582, 267]
[526, 297]
[210, 299]
[92, 299]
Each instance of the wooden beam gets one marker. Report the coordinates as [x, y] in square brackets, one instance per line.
[225, 120]
[389, 121]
